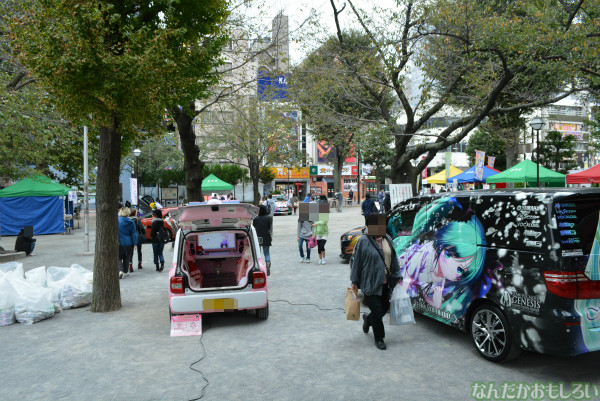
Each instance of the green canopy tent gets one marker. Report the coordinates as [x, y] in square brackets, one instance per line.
[35, 201]
[213, 183]
[526, 171]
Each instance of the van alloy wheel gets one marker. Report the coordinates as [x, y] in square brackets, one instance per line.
[491, 335]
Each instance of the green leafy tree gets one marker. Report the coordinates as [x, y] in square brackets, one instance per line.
[33, 134]
[594, 128]
[468, 58]
[376, 151]
[557, 152]
[266, 175]
[160, 163]
[221, 81]
[253, 134]
[115, 63]
[491, 144]
[326, 87]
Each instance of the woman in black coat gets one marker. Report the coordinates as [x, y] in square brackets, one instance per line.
[25, 244]
[263, 224]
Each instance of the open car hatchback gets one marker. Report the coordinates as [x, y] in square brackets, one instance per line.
[217, 264]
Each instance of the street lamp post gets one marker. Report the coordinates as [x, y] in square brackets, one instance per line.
[537, 124]
[137, 154]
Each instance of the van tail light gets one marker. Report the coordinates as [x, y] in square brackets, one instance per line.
[259, 279]
[572, 285]
[177, 285]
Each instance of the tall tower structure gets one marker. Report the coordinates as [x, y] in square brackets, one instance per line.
[281, 42]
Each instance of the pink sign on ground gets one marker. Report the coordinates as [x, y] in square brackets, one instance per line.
[186, 325]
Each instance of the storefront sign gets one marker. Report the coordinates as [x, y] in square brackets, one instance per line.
[291, 173]
[325, 170]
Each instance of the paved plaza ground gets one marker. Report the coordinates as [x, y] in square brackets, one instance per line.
[306, 350]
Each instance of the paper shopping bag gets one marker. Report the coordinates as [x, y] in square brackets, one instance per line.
[401, 311]
[352, 305]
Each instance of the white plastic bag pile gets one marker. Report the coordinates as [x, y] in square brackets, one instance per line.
[72, 286]
[39, 294]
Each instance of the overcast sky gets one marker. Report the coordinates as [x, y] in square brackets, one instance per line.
[302, 38]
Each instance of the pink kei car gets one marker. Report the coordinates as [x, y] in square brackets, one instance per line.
[217, 265]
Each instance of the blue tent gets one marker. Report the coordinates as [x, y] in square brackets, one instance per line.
[470, 176]
[36, 201]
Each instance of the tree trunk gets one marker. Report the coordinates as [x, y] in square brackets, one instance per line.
[192, 165]
[254, 168]
[404, 174]
[106, 294]
[338, 164]
[511, 155]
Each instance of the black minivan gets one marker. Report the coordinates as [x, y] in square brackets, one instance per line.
[517, 269]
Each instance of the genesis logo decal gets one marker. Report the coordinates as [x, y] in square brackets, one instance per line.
[506, 299]
[523, 302]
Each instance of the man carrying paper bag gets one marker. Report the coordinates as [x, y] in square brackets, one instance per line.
[375, 269]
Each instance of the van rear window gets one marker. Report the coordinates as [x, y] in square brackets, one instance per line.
[576, 222]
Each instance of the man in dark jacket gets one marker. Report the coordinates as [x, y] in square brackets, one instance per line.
[263, 224]
[387, 203]
[25, 243]
[368, 207]
[157, 245]
[374, 269]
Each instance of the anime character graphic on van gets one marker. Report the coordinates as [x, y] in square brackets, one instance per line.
[589, 309]
[441, 261]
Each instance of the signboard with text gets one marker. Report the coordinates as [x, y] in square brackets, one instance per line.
[400, 192]
[328, 170]
[291, 173]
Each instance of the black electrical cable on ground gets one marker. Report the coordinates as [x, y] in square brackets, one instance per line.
[200, 360]
[208, 327]
[309, 304]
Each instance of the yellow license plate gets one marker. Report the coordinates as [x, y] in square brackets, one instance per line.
[220, 304]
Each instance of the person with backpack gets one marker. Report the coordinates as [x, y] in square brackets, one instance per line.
[141, 231]
[157, 234]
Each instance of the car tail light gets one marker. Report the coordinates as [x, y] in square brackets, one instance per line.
[259, 279]
[572, 285]
[177, 285]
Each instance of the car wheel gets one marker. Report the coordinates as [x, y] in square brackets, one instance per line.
[263, 313]
[491, 334]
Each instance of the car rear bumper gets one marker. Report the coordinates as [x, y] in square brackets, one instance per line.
[193, 302]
